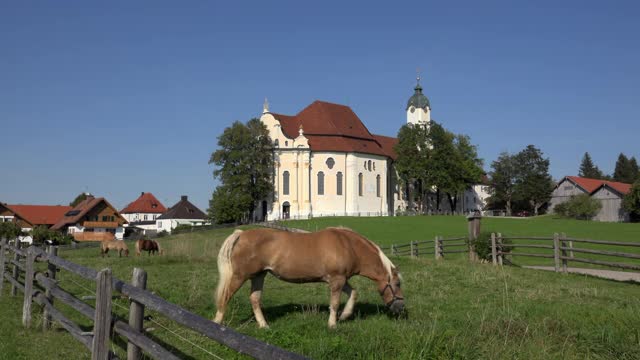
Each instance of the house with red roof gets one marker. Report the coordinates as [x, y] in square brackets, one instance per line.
[143, 212]
[30, 216]
[609, 193]
[93, 219]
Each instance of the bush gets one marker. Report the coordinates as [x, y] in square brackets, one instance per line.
[182, 228]
[162, 233]
[483, 246]
[10, 230]
[582, 207]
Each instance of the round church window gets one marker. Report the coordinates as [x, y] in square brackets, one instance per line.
[330, 162]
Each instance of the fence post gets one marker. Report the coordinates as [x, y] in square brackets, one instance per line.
[28, 288]
[500, 250]
[51, 274]
[571, 247]
[16, 271]
[136, 312]
[564, 252]
[394, 251]
[102, 319]
[439, 250]
[474, 232]
[3, 242]
[494, 252]
[415, 249]
[412, 248]
[556, 252]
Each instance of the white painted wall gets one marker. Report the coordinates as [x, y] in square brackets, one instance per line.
[418, 116]
[135, 217]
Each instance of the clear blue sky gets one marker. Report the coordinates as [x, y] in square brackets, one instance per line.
[121, 97]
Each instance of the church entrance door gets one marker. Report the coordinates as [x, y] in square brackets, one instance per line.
[286, 210]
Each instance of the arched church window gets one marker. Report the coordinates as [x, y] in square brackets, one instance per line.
[339, 183]
[360, 184]
[276, 143]
[285, 183]
[374, 166]
[286, 143]
[320, 183]
[378, 186]
[369, 165]
[330, 162]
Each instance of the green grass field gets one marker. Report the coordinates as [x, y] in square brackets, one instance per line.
[455, 309]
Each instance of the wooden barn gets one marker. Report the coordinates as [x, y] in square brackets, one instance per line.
[609, 193]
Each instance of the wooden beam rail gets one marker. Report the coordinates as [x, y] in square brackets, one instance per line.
[604, 263]
[604, 242]
[602, 252]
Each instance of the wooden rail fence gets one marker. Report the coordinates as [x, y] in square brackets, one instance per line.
[42, 288]
[438, 247]
[562, 250]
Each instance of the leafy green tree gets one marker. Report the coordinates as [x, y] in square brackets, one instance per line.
[631, 202]
[533, 181]
[626, 170]
[588, 169]
[244, 166]
[10, 230]
[503, 180]
[412, 162]
[582, 207]
[80, 198]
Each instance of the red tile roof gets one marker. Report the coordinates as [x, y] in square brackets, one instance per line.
[591, 185]
[146, 203]
[388, 144]
[331, 127]
[40, 214]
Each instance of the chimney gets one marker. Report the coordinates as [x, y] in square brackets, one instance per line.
[183, 197]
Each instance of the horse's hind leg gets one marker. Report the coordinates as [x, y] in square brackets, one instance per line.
[335, 285]
[353, 296]
[256, 292]
[234, 284]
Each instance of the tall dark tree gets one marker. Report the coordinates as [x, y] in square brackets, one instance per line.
[80, 198]
[631, 202]
[626, 170]
[533, 182]
[503, 180]
[244, 166]
[588, 169]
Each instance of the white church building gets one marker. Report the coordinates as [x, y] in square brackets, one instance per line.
[327, 163]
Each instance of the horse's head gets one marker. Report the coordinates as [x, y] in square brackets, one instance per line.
[126, 252]
[391, 293]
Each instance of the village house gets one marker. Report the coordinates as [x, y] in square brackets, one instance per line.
[143, 212]
[30, 216]
[93, 219]
[182, 213]
[609, 193]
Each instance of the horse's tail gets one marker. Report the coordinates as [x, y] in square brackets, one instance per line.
[225, 269]
[160, 250]
[138, 245]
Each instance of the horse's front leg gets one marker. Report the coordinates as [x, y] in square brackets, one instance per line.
[353, 296]
[335, 285]
[256, 292]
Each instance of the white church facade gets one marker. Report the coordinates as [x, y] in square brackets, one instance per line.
[327, 163]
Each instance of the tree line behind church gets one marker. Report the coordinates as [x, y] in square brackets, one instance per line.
[431, 161]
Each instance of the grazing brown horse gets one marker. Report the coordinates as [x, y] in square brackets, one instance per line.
[332, 255]
[151, 246]
[118, 245]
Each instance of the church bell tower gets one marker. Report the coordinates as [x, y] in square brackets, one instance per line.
[418, 107]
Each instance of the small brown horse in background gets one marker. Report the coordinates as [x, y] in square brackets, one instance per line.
[118, 245]
[332, 255]
[151, 246]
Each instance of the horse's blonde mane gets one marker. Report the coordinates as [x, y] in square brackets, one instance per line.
[386, 263]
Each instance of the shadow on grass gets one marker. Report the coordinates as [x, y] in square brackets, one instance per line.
[361, 311]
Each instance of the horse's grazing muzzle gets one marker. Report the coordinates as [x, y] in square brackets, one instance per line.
[397, 307]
